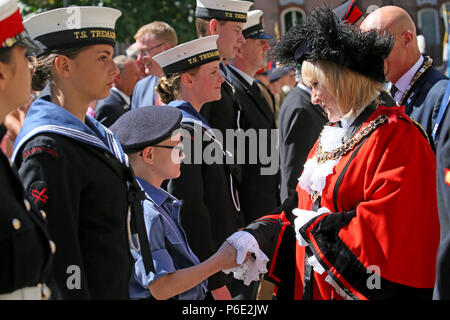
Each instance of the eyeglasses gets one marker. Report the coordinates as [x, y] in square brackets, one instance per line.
[146, 52]
[178, 147]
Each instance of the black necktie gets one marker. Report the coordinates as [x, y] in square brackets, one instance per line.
[394, 90]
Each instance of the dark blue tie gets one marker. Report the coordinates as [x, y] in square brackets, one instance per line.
[394, 90]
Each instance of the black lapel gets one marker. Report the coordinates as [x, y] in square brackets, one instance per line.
[116, 96]
[259, 100]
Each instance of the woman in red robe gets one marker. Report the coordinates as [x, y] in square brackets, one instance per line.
[364, 223]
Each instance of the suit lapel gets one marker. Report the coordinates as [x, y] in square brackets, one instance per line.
[121, 101]
[257, 97]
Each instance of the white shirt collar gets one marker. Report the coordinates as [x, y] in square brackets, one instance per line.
[305, 88]
[123, 95]
[403, 83]
[247, 78]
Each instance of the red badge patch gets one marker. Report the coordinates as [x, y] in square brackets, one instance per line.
[37, 150]
[447, 177]
[38, 192]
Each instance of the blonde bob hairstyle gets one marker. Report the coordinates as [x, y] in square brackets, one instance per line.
[352, 91]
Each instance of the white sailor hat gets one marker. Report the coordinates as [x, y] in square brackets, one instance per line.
[254, 27]
[12, 30]
[188, 55]
[73, 26]
[228, 10]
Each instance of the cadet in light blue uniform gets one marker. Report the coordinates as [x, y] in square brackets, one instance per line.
[155, 153]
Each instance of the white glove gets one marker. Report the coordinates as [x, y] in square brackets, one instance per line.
[249, 271]
[303, 217]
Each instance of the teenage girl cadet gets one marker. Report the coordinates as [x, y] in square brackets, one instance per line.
[73, 167]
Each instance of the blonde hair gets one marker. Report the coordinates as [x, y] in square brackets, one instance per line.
[161, 30]
[352, 91]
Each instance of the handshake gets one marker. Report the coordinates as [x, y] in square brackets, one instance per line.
[240, 254]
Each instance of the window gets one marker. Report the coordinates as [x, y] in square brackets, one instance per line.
[291, 17]
[429, 24]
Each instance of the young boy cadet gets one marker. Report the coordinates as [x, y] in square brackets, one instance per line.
[149, 137]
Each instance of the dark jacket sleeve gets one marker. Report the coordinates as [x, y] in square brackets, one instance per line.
[53, 185]
[24, 240]
[275, 235]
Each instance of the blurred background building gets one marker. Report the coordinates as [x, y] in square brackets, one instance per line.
[280, 15]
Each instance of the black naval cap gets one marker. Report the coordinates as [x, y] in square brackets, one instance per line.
[146, 126]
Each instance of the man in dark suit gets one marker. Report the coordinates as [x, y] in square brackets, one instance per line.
[300, 124]
[412, 75]
[258, 191]
[118, 102]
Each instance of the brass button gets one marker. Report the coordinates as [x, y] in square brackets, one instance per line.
[16, 224]
[43, 214]
[52, 246]
[27, 204]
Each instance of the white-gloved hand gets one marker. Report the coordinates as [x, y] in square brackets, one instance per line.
[249, 271]
[303, 217]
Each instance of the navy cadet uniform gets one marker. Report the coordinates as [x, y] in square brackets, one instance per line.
[77, 173]
[25, 247]
[225, 113]
[259, 193]
[210, 211]
[170, 248]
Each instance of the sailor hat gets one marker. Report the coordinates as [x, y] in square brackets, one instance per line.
[254, 27]
[73, 26]
[188, 55]
[12, 30]
[228, 10]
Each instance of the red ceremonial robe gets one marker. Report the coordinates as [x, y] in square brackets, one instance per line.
[380, 240]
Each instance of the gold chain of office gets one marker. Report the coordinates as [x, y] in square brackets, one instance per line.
[348, 146]
[426, 65]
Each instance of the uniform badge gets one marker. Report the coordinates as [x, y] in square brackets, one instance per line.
[39, 150]
[38, 193]
[447, 177]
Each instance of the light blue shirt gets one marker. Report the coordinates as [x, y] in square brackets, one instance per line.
[144, 92]
[168, 242]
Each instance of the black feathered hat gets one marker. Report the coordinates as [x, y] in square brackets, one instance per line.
[323, 36]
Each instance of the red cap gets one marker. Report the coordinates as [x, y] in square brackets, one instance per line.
[12, 30]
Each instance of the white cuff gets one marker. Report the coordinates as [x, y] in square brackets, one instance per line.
[249, 271]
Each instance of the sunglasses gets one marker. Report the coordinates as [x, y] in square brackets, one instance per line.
[178, 147]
